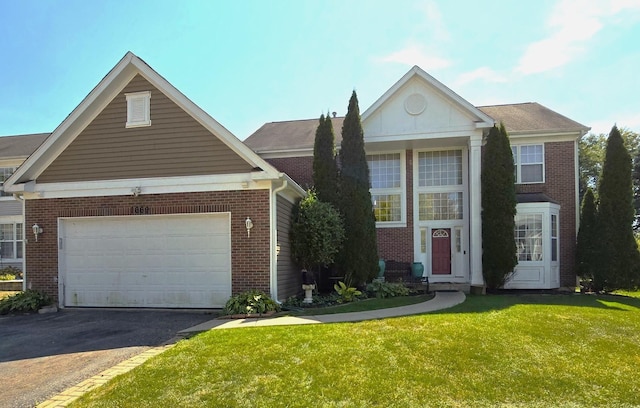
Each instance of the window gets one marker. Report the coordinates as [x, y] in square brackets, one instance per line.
[385, 175]
[528, 235]
[5, 173]
[529, 163]
[11, 241]
[440, 206]
[138, 109]
[443, 168]
[554, 237]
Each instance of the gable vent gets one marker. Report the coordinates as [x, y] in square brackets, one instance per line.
[138, 109]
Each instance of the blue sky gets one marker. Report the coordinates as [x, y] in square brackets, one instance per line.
[250, 62]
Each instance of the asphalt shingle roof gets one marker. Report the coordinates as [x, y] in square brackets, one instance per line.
[20, 145]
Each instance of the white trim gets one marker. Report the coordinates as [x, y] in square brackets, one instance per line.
[482, 119]
[285, 154]
[164, 185]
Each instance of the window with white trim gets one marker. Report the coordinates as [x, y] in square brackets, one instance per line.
[440, 206]
[138, 109]
[528, 236]
[11, 241]
[385, 176]
[5, 173]
[554, 237]
[440, 168]
[528, 163]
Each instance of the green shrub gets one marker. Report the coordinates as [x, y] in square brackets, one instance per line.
[250, 302]
[346, 293]
[27, 301]
[382, 290]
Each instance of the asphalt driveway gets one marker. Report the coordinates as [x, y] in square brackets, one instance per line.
[42, 355]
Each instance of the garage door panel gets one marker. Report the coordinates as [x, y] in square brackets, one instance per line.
[146, 261]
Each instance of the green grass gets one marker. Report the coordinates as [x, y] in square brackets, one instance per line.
[527, 350]
[361, 305]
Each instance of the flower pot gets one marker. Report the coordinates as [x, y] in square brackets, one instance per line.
[417, 269]
[381, 267]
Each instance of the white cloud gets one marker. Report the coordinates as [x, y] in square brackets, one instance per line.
[416, 55]
[435, 21]
[630, 121]
[483, 73]
[572, 23]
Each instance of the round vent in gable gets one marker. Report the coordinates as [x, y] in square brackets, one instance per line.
[415, 104]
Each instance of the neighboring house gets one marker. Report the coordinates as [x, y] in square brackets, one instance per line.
[424, 149]
[141, 199]
[14, 150]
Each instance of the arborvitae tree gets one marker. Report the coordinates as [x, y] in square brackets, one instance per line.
[498, 209]
[588, 238]
[618, 250]
[636, 192]
[325, 171]
[359, 258]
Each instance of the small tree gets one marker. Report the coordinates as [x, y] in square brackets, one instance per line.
[359, 258]
[588, 238]
[498, 209]
[325, 170]
[317, 233]
[618, 251]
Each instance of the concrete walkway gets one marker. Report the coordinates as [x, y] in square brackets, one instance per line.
[442, 300]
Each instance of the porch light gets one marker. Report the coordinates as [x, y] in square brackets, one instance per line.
[248, 225]
[37, 230]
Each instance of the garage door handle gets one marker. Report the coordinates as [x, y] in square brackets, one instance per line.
[59, 243]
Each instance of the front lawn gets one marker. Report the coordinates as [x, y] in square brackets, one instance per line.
[527, 350]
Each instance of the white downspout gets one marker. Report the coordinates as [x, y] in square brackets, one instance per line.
[19, 197]
[274, 239]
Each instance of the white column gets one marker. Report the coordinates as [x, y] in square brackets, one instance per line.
[475, 210]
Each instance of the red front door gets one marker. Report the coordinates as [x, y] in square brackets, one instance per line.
[441, 251]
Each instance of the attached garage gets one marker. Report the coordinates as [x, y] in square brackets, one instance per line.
[169, 261]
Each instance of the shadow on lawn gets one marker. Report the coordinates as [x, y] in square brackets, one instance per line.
[486, 303]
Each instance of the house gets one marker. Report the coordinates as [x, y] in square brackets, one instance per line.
[141, 199]
[424, 149]
[14, 150]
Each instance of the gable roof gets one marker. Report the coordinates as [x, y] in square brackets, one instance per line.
[290, 135]
[20, 146]
[124, 71]
[519, 118]
[481, 119]
[531, 117]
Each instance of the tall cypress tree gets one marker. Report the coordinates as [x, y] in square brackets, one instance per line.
[618, 250]
[325, 170]
[498, 209]
[359, 260]
[588, 238]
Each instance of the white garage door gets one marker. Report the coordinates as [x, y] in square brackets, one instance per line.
[174, 261]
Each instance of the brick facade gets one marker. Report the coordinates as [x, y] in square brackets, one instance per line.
[250, 256]
[299, 169]
[559, 185]
[397, 243]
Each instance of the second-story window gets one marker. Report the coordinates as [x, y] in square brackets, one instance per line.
[529, 163]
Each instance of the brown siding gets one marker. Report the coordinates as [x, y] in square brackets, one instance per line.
[289, 277]
[250, 256]
[174, 145]
[559, 185]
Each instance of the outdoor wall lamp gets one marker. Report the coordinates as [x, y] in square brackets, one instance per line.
[37, 230]
[248, 225]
